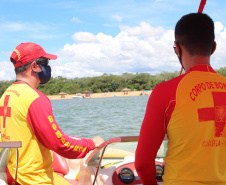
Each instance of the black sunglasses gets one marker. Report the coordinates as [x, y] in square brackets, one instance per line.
[44, 61]
[174, 47]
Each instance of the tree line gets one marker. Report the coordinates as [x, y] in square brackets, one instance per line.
[104, 83]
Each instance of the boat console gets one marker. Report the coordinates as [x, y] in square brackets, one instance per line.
[112, 163]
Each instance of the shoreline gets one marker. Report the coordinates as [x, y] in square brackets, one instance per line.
[100, 95]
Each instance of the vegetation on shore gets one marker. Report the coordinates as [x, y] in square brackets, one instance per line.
[104, 83]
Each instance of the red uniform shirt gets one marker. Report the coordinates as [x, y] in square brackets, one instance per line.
[191, 110]
[26, 115]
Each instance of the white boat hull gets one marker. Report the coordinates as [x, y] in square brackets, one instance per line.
[77, 97]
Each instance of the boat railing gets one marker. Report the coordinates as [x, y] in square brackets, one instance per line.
[110, 141]
[7, 149]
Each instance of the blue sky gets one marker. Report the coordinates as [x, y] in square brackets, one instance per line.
[92, 37]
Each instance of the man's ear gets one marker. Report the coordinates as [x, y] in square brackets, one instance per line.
[177, 48]
[35, 67]
[214, 47]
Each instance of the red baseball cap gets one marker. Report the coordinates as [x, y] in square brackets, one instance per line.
[26, 52]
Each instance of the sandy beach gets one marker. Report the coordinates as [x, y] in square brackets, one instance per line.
[100, 95]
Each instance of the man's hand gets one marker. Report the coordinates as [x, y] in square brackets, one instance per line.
[97, 141]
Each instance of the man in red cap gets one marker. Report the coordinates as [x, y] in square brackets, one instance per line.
[28, 117]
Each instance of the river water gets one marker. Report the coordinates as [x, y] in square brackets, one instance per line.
[104, 117]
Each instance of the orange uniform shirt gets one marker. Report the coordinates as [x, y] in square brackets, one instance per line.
[196, 130]
[191, 110]
[26, 115]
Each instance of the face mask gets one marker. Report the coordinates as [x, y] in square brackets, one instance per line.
[45, 75]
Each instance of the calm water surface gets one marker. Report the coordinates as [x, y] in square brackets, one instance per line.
[105, 117]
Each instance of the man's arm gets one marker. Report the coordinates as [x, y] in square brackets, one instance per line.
[48, 133]
[151, 136]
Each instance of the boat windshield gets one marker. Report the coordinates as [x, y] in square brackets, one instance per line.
[120, 151]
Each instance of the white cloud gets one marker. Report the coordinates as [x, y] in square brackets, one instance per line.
[218, 27]
[144, 30]
[18, 26]
[84, 37]
[134, 49]
[220, 30]
[76, 19]
[117, 17]
[7, 71]
[218, 58]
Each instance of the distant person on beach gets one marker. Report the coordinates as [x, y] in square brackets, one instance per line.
[191, 110]
[26, 115]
